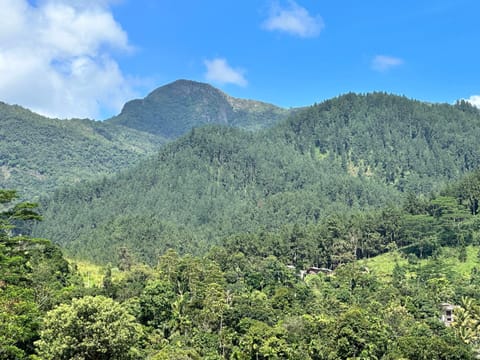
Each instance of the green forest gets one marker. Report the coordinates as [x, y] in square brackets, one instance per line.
[343, 230]
[38, 154]
[344, 157]
[250, 298]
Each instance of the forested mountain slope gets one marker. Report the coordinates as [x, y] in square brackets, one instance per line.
[38, 154]
[214, 182]
[407, 143]
[352, 153]
[174, 109]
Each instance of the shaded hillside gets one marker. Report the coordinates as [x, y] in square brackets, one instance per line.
[172, 110]
[38, 154]
[348, 154]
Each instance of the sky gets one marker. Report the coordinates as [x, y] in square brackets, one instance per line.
[86, 58]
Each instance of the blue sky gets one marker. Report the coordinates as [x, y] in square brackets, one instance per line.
[85, 58]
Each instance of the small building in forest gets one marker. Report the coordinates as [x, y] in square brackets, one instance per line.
[447, 316]
[313, 270]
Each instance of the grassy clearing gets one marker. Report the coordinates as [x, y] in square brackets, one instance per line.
[463, 268]
[383, 264]
[92, 274]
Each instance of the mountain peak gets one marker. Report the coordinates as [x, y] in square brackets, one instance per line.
[186, 87]
[173, 109]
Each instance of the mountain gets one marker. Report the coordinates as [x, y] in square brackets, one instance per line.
[174, 109]
[352, 153]
[406, 143]
[38, 154]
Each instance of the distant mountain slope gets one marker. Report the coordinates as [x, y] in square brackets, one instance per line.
[38, 154]
[354, 152]
[172, 110]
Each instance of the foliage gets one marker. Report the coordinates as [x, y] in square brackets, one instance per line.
[89, 328]
[38, 154]
[19, 321]
[242, 301]
[33, 278]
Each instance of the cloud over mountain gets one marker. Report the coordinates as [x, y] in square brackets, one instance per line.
[219, 71]
[293, 19]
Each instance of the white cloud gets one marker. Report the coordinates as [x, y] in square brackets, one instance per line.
[55, 58]
[384, 63]
[294, 20]
[219, 71]
[474, 100]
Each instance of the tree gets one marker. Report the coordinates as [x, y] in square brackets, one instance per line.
[90, 328]
[19, 310]
[262, 341]
[19, 322]
[124, 259]
[107, 283]
[469, 191]
[177, 353]
[156, 305]
[462, 255]
[15, 250]
[360, 334]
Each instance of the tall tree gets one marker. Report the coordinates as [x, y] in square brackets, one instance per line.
[90, 328]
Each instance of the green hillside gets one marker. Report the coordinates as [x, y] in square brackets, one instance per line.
[350, 154]
[406, 143]
[174, 109]
[38, 154]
